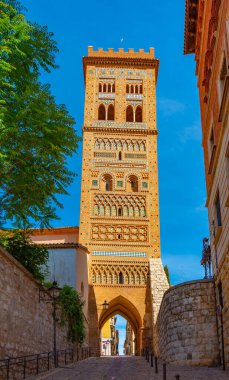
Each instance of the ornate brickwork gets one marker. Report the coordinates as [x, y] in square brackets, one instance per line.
[119, 205]
[120, 232]
[119, 273]
[119, 220]
[120, 144]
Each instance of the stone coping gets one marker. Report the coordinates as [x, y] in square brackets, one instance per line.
[194, 282]
[10, 258]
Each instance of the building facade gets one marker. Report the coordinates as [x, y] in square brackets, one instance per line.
[129, 343]
[68, 260]
[119, 218]
[109, 334]
[207, 36]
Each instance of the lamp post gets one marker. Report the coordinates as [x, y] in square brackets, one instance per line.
[52, 295]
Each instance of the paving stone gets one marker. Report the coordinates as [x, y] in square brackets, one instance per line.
[130, 368]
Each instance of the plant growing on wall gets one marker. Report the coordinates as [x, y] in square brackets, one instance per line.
[32, 256]
[37, 135]
[72, 315]
[166, 269]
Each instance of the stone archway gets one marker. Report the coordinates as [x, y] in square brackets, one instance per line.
[122, 306]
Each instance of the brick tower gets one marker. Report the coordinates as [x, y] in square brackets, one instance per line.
[119, 220]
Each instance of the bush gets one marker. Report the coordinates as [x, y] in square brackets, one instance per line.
[32, 256]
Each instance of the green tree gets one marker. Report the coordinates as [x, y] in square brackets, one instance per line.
[166, 269]
[72, 313]
[36, 134]
[32, 256]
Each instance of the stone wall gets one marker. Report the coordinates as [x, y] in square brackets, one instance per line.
[158, 286]
[26, 326]
[186, 325]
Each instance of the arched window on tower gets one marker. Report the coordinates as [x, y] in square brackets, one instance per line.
[136, 89]
[140, 89]
[132, 183]
[120, 278]
[127, 89]
[109, 88]
[129, 114]
[131, 89]
[120, 156]
[110, 114]
[107, 183]
[138, 114]
[113, 87]
[102, 112]
[104, 87]
[119, 211]
[100, 87]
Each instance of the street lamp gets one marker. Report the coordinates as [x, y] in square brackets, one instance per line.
[52, 295]
[105, 305]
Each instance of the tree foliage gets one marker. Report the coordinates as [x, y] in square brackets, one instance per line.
[32, 256]
[36, 134]
[166, 269]
[72, 314]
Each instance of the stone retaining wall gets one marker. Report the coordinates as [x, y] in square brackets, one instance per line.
[186, 325]
[26, 326]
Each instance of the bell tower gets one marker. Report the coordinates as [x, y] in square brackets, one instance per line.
[119, 218]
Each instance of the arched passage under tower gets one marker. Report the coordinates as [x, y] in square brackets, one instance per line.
[117, 336]
[133, 304]
[127, 310]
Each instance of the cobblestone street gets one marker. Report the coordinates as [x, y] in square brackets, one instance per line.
[129, 368]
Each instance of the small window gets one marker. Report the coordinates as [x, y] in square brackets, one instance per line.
[127, 89]
[119, 236]
[119, 211]
[102, 112]
[120, 278]
[113, 87]
[100, 87]
[129, 114]
[136, 89]
[109, 87]
[140, 89]
[104, 87]
[120, 156]
[211, 141]
[218, 211]
[82, 289]
[132, 89]
[138, 115]
[110, 114]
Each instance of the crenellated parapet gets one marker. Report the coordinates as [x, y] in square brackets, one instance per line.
[121, 53]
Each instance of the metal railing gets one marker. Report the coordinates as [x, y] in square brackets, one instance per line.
[24, 366]
[153, 360]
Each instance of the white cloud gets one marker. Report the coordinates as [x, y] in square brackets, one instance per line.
[201, 207]
[192, 132]
[170, 107]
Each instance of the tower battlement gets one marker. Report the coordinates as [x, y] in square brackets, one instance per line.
[121, 53]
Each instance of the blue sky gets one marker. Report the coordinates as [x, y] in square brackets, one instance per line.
[104, 23]
[121, 327]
